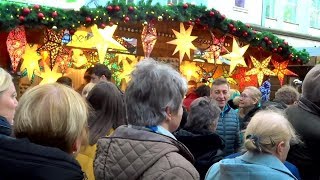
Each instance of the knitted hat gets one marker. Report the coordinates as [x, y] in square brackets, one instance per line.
[311, 85]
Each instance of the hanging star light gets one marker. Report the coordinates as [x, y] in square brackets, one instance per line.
[260, 69]
[281, 70]
[16, 44]
[236, 56]
[183, 42]
[215, 49]
[244, 80]
[49, 76]
[190, 70]
[53, 44]
[126, 70]
[30, 60]
[124, 57]
[148, 38]
[102, 40]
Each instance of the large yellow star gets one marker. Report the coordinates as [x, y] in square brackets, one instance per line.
[236, 56]
[183, 42]
[30, 60]
[81, 39]
[281, 70]
[49, 76]
[124, 57]
[260, 69]
[190, 69]
[102, 40]
[127, 69]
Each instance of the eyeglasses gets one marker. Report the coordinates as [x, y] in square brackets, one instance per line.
[244, 96]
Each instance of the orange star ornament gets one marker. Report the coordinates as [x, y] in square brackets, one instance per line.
[281, 70]
[260, 69]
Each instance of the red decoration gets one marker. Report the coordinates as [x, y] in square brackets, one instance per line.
[234, 30]
[103, 25]
[223, 17]
[279, 49]
[126, 19]
[245, 34]
[148, 38]
[26, 11]
[109, 8]
[244, 80]
[211, 13]
[266, 39]
[248, 25]
[54, 14]
[215, 49]
[88, 19]
[269, 42]
[72, 31]
[21, 18]
[274, 50]
[110, 23]
[16, 44]
[286, 43]
[281, 70]
[36, 6]
[197, 21]
[185, 6]
[40, 15]
[131, 9]
[117, 8]
[231, 26]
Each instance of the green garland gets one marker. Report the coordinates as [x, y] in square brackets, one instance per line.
[14, 14]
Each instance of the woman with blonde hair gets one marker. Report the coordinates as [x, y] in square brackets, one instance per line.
[267, 141]
[8, 102]
[50, 124]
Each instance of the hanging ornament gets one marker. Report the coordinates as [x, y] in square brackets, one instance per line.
[260, 69]
[66, 38]
[183, 42]
[126, 70]
[53, 44]
[190, 70]
[54, 14]
[30, 60]
[236, 56]
[102, 39]
[148, 38]
[49, 76]
[243, 79]
[16, 44]
[215, 49]
[281, 70]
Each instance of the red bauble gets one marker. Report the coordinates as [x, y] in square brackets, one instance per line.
[117, 8]
[185, 6]
[223, 17]
[211, 13]
[102, 25]
[299, 61]
[291, 56]
[126, 19]
[131, 9]
[36, 6]
[269, 42]
[245, 34]
[286, 43]
[88, 19]
[26, 11]
[72, 31]
[234, 30]
[248, 26]
[279, 49]
[274, 50]
[21, 18]
[231, 26]
[197, 21]
[54, 14]
[40, 15]
[110, 23]
[109, 8]
[266, 39]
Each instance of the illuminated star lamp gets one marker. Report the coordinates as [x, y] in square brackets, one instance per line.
[148, 38]
[16, 44]
[243, 79]
[124, 57]
[30, 60]
[215, 49]
[126, 70]
[260, 69]
[49, 76]
[53, 44]
[102, 40]
[236, 56]
[190, 70]
[183, 41]
[281, 70]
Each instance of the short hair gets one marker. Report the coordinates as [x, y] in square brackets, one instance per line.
[204, 113]
[203, 90]
[153, 87]
[256, 94]
[51, 115]
[287, 94]
[87, 74]
[109, 110]
[87, 88]
[266, 129]
[100, 70]
[65, 81]
[5, 80]
[220, 81]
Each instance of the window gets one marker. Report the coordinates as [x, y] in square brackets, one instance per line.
[270, 6]
[239, 3]
[290, 11]
[315, 14]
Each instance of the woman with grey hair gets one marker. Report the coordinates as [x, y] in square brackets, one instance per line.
[199, 134]
[146, 148]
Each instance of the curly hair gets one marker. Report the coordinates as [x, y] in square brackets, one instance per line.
[287, 94]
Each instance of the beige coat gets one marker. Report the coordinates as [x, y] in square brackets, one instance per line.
[136, 153]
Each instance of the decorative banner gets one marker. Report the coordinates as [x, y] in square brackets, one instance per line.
[53, 44]
[49, 76]
[260, 69]
[236, 56]
[244, 80]
[148, 38]
[102, 40]
[281, 70]
[216, 48]
[183, 42]
[16, 44]
[30, 60]
[190, 70]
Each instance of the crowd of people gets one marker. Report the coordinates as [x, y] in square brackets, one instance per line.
[160, 127]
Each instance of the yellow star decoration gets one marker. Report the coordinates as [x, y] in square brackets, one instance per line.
[260, 69]
[30, 60]
[236, 56]
[183, 42]
[126, 70]
[81, 39]
[281, 70]
[123, 57]
[102, 40]
[190, 69]
[49, 76]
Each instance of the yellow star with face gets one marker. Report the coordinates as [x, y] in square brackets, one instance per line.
[260, 69]
[30, 60]
[183, 42]
[236, 56]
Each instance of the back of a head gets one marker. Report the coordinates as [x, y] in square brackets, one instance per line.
[51, 115]
[87, 88]
[65, 81]
[203, 90]
[5, 80]
[287, 94]
[266, 129]
[107, 101]
[154, 86]
[100, 70]
[203, 116]
[310, 85]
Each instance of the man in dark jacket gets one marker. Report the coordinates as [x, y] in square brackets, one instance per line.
[305, 118]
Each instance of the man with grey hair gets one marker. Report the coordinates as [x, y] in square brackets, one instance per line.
[146, 148]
